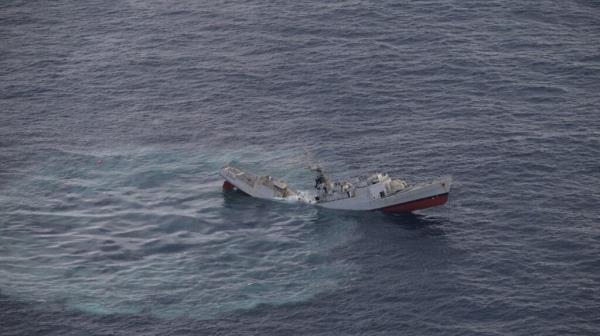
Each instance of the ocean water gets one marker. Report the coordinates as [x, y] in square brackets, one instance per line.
[115, 117]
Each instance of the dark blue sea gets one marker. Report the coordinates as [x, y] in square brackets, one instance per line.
[115, 117]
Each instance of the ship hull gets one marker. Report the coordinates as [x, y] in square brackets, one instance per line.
[264, 187]
[417, 197]
[409, 199]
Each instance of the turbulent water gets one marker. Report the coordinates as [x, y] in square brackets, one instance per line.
[115, 117]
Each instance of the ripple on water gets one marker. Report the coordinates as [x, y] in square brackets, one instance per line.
[151, 231]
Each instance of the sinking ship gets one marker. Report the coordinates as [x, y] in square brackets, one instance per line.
[378, 192]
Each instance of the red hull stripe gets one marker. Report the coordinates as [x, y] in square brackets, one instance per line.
[228, 186]
[418, 204]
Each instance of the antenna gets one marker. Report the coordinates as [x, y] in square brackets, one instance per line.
[308, 157]
[311, 165]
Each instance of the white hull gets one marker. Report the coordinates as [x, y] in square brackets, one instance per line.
[265, 187]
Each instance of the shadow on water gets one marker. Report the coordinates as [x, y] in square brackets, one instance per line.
[376, 225]
[412, 250]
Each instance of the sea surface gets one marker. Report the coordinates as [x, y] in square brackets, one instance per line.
[115, 117]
